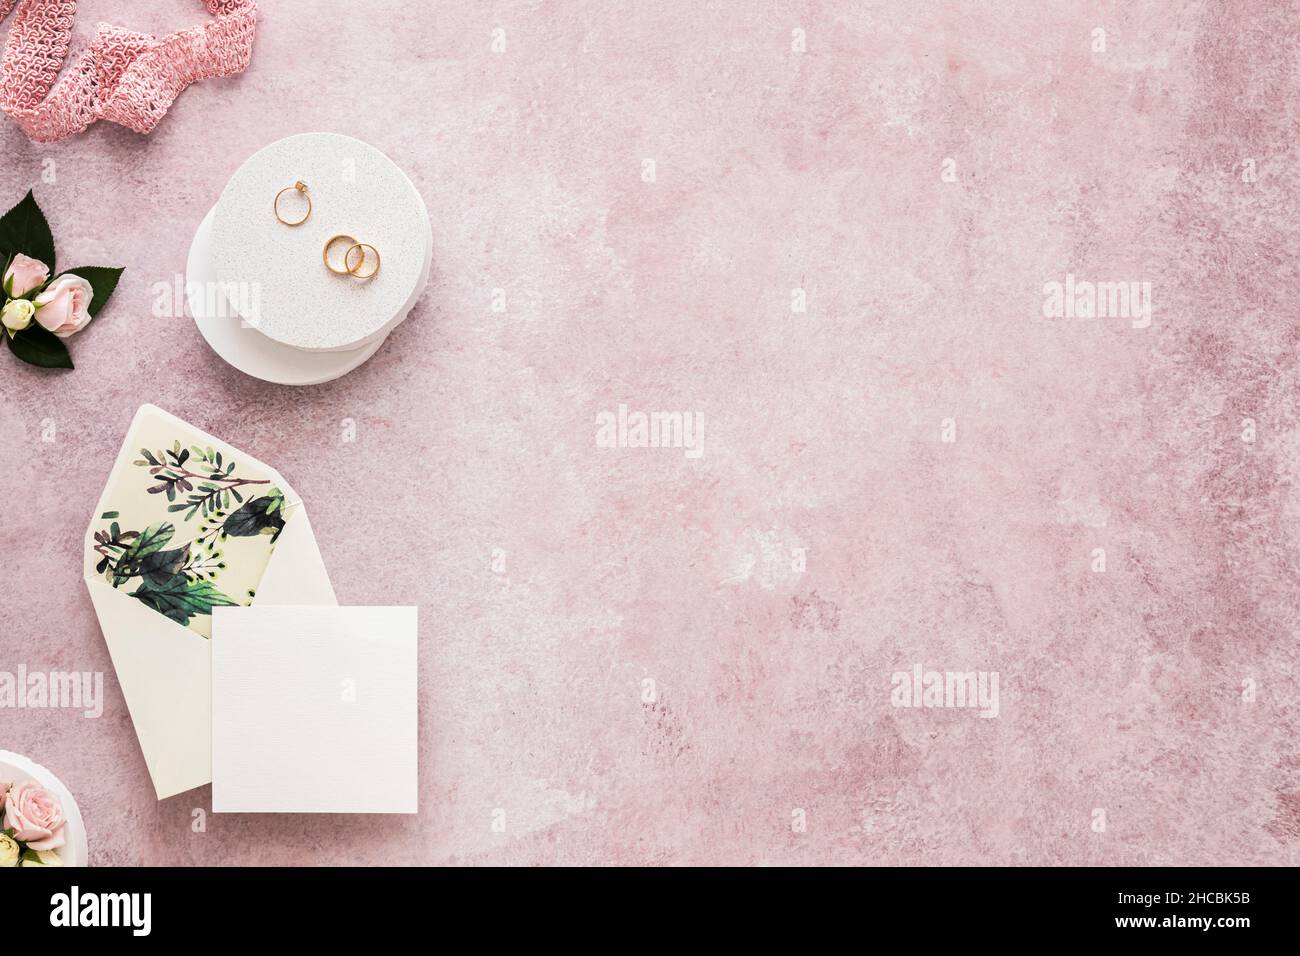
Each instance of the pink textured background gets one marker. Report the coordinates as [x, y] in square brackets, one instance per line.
[775, 170]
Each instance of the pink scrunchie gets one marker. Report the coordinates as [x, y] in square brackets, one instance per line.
[124, 77]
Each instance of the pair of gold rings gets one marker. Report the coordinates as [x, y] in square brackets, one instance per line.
[364, 251]
[349, 267]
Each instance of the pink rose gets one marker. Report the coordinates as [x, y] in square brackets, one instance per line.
[4, 788]
[62, 307]
[35, 816]
[23, 275]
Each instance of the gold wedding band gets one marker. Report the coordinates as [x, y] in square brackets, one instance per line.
[325, 254]
[350, 268]
[301, 187]
[361, 247]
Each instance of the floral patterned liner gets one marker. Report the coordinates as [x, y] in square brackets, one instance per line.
[179, 575]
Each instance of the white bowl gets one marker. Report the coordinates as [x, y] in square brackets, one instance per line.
[15, 769]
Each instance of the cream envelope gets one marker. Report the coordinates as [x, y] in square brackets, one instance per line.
[187, 523]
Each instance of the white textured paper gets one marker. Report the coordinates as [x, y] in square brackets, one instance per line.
[314, 710]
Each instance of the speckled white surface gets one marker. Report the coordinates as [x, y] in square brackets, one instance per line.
[244, 347]
[355, 189]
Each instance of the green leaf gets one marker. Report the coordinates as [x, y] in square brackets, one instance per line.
[109, 514]
[153, 539]
[37, 345]
[24, 229]
[159, 568]
[255, 517]
[180, 599]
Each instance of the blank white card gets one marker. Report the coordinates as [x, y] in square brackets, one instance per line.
[314, 709]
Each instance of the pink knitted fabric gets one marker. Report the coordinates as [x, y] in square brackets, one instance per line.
[123, 77]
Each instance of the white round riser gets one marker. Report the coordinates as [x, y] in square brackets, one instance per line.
[244, 347]
[285, 290]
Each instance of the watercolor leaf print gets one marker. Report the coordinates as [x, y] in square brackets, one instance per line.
[201, 474]
[142, 545]
[180, 598]
[161, 566]
[110, 544]
[178, 577]
[260, 516]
